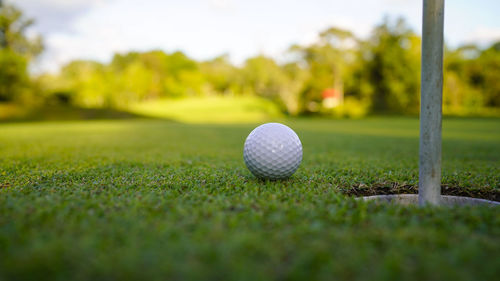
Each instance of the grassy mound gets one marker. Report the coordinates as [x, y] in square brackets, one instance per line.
[210, 109]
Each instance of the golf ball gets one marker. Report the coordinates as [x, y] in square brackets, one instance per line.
[272, 151]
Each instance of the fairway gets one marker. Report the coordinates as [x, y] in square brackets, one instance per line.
[154, 199]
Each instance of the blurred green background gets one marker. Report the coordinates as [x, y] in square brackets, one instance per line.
[337, 75]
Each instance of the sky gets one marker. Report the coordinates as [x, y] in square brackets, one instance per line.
[203, 29]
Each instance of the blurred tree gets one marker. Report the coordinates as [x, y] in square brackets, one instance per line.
[13, 27]
[327, 62]
[136, 83]
[130, 78]
[221, 77]
[87, 83]
[264, 77]
[472, 79]
[14, 79]
[183, 76]
[484, 74]
[16, 50]
[358, 84]
[297, 76]
[343, 43]
[121, 61]
[458, 95]
[392, 62]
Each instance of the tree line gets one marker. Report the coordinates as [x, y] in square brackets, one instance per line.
[379, 74]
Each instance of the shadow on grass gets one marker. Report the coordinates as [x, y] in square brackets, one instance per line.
[61, 113]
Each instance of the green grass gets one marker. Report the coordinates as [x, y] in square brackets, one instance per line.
[159, 200]
[213, 109]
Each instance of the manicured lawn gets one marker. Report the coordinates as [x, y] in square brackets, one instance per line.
[209, 109]
[153, 199]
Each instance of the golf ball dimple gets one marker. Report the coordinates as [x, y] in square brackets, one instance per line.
[272, 151]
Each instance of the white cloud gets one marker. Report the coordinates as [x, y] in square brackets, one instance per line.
[483, 35]
[56, 15]
[222, 4]
[59, 4]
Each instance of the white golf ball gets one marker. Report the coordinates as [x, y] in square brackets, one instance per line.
[272, 151]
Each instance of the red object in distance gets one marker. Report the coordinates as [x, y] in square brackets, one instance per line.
[330, 93]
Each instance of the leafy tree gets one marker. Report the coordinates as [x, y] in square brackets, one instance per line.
[458, 95]
[14, 79]
[120, 61]
[264, 77]
[221, 77]
[88, 83]
[327, 63]
[472, 79]
[484, 74]
[393, 66]
[297, 76]
[183, 76]
[16, 50]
